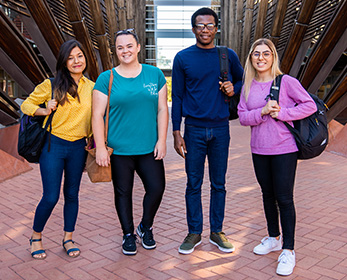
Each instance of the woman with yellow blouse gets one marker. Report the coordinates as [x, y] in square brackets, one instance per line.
[63, 150]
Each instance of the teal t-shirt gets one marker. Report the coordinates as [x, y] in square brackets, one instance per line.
[133, 128]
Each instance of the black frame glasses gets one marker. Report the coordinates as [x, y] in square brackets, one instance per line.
[201, 26]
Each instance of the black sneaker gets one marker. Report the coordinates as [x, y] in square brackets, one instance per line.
[129, 244]
[146, 236]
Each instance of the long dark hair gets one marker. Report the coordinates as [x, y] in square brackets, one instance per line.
[64, 83]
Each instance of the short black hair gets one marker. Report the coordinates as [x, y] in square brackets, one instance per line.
[202, 12]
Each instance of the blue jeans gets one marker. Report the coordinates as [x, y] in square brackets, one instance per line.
[213, 143]
[68, 157]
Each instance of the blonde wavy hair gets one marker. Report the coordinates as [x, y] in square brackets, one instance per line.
[250, 73]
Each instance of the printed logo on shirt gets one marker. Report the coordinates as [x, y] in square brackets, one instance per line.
[152, 88]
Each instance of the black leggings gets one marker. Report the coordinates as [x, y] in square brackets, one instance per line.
[276, 176]
[152, 174]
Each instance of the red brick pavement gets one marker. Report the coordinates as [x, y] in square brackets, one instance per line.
[321, 236]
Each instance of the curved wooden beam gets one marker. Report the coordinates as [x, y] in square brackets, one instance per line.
[82, 35]
[45, 20]
[19, 51]
[101, 36]
[327, 41]
[298, 34]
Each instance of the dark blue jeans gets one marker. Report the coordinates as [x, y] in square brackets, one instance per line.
[276, 176]
[213, 143]
[68, 157]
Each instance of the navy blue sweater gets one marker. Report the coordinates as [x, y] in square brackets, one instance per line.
[195, 87]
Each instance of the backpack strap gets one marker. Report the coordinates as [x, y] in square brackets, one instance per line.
[224, 66]
[223, 62]
[275, 89]
[275, 94]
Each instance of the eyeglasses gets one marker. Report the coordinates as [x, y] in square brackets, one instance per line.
[265, 54]
[201, 26]
[126, 31]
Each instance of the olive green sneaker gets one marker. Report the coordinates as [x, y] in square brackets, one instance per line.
[190, 242]
[219, 239]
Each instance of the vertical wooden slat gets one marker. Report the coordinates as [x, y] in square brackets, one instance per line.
[101, 36]
[281, 8]
[231, 42]
[261, 19]
[122, 19]
[225, 27]
[140, 26]
[112, 26]
[247, 30]
[239, 15]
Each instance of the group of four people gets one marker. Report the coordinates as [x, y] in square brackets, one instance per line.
[138, 129]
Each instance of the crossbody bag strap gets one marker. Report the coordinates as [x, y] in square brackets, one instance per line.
[108, 105]
[49, 120]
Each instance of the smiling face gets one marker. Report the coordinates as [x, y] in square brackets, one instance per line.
[127, 48]
[204, 37]
[262, 59]
[76, 62]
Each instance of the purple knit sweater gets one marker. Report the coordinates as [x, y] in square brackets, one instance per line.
[268, 136]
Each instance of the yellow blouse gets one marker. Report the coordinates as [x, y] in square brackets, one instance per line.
[72, 121]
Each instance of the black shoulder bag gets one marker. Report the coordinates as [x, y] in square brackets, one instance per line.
[311, 133]
[32, 135]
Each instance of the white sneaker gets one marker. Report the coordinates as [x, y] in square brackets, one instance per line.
[267, 245]
[286, 263]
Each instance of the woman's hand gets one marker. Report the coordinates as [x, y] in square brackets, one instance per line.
[51, 106]
[102, 157]
[160, 150]
[271, 108]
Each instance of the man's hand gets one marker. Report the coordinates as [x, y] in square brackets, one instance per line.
[179, 144]
[227, 88]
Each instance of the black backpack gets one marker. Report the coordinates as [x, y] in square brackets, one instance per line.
[224, 69]
[32, 135]
[310, 133]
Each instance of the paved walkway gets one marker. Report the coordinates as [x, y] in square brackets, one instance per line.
[321, 236]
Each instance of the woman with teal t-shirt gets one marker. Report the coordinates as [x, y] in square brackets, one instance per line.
[138, 123]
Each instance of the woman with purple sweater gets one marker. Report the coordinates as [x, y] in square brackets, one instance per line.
[274, 151]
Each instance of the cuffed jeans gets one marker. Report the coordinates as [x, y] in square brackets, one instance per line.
[213, 143]
[276, 176]
[68, 157]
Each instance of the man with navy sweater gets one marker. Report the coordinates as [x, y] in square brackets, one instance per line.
[199, 96]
